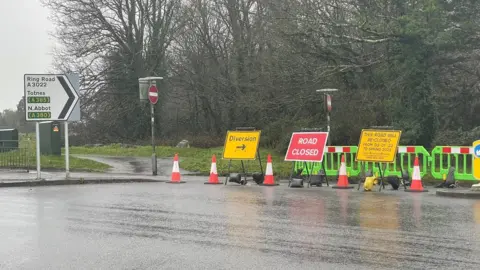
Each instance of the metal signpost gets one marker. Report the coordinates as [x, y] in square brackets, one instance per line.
[48, 97]
[328, 106]
[148, 88]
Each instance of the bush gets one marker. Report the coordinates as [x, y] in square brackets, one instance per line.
[457, 137]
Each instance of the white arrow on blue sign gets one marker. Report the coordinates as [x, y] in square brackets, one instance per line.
[476, 151]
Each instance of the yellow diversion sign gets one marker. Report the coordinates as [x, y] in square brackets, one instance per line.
[241, 145]
[378, 145]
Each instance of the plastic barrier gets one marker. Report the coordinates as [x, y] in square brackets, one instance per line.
[333, 155]
[405, 159]
[332, 158]
[435, 163]
[458, 156]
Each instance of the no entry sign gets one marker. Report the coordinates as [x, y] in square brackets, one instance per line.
[328, 101]
[307, 146]
[153, 94]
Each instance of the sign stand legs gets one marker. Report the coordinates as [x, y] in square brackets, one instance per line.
[260, 161]
[154, 153]
[308, 173]
[291, 174]
[228, 173]
[37, 138]
[244, 172]
[325, 170]
[382, 184]
[399, 158]
[67, 153]
[362, 174]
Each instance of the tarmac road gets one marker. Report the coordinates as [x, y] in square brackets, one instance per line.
[196, 226]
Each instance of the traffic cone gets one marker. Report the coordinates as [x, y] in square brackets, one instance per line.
[175, 172]
[269, 180]
[213, 180]
[342, 182]
[416, 184]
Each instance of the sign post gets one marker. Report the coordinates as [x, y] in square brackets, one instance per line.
[378, 146]
[74, 116]
[153, 98]
[328, 107]
[48, 97]
[148, 90]
[307, 147]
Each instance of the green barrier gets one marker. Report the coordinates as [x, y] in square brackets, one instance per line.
[443, 157]
[333, 155]
[436, 164]
[405, 159]
[332, 160]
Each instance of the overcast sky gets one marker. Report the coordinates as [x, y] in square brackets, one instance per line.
[25, 46]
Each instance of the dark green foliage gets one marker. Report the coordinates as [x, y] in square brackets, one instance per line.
[410, 64]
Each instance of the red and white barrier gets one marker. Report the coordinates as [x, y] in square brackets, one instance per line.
[338, 149]
[457, 150]
[409, 149]
[406, 149]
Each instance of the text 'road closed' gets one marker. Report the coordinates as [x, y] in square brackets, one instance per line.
[307, 146]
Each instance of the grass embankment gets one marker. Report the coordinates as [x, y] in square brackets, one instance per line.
[76, 164]
[26, 156]
[17, 159]
[192, 159]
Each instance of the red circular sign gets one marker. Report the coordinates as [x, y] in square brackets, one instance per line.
[329, 103]
[153, 94]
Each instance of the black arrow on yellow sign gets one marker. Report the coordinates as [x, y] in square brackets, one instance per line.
[242, 147]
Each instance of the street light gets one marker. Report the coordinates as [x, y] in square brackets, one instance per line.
[328, 106]
[144, 85]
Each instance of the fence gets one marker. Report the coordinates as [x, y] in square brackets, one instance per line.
[13, 156]
[435, 164]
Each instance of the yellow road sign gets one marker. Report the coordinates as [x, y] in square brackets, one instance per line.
[241, 145]
[476, 159]
[378, 145]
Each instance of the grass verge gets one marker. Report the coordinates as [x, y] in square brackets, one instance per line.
[76, 164]
[21, 159]
[192, 159]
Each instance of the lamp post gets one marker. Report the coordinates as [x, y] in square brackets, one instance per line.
[328, 106]
[148, 91]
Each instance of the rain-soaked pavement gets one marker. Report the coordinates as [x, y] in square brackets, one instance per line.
[196, 226]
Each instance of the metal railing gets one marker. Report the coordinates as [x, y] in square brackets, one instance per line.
[15, 156]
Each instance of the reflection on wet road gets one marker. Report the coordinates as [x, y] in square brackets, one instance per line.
[195, 226]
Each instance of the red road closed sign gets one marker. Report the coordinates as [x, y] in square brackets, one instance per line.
[307, 146]
[153, 94]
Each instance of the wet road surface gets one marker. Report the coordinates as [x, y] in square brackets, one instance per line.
[196, 226]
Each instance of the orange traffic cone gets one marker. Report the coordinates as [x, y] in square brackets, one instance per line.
[269, 180]
[416, 185]
[213, 180]
[175, 172]
[342, 182]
